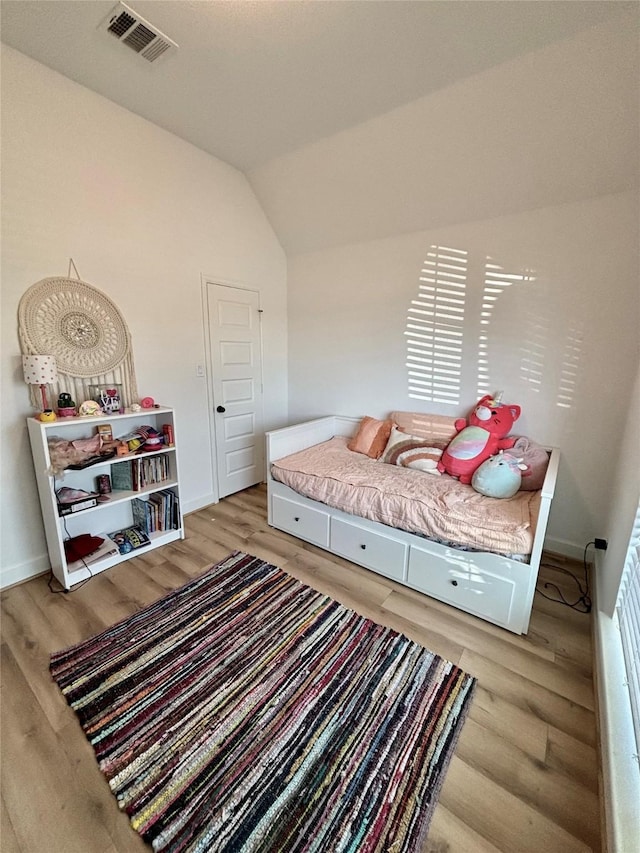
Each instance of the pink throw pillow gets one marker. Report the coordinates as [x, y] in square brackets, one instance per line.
[437, 427]
[536, 458]
[371, 438]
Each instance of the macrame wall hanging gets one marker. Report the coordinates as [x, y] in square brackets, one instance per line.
[84, 330]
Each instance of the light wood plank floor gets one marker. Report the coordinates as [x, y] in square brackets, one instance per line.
[524, 778]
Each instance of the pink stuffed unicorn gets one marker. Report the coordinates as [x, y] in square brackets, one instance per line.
[484, 434]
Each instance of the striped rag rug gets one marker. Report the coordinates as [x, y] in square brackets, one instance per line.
[247, 712]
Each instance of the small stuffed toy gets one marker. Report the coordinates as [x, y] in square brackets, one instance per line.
[499, 476]
[485, 433]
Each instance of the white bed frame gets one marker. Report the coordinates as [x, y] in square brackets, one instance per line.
[487, 585]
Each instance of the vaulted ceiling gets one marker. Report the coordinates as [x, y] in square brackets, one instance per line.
[256, 83]
[254, 80]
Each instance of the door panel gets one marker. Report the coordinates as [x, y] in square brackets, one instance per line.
[239, 426]
[236, 369]
[237, 390]
[236, 353]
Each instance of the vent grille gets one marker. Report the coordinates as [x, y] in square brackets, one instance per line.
[121, 23]
[137, 33]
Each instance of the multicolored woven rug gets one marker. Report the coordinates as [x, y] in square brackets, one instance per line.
[247, 712]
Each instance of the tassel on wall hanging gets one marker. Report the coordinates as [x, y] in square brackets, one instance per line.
[84, 330]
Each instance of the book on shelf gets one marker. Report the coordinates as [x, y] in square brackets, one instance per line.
[173, 511]
[122, 476]
[156, 502]
[152, 470]
[139, 473]
[158, 513]
[141, 512]
[169, 509]
[129, 539]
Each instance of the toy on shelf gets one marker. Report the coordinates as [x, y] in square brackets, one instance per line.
[479, 438]
[66, 406]
[77, 454]
[89, 408]
[149, 438]
[109, 398]
[144, 438]
[105, 432]
[154, 440]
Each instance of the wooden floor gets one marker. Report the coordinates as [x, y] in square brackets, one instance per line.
[524, 776]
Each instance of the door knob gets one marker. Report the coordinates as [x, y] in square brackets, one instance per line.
[221, 409]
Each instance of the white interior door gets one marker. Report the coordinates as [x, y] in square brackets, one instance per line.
[236, 371]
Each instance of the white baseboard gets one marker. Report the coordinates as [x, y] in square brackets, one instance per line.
[21, 572]
[567, 549]
[198, 503]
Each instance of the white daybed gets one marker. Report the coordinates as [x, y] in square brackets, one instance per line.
[493, 586]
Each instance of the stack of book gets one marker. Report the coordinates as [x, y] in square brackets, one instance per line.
[160, 512]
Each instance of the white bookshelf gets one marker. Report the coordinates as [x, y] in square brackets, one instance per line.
[109, 516]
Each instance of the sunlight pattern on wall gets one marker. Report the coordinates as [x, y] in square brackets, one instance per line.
[570, 366]
[534, 346]
[477, 322]
[496, 282]
[435, 327]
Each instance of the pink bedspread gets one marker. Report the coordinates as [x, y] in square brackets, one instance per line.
[437, 507]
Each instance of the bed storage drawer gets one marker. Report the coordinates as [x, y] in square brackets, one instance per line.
[382, 554]
[303, 521]
[459, 582]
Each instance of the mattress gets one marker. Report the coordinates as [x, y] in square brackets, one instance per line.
[438, 507]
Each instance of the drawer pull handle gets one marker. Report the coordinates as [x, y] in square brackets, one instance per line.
[454, 583]
[296, 518]
[363, 547]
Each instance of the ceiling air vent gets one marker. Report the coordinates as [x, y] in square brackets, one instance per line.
[141, 36]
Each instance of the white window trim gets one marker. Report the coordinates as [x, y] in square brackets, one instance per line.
[620, 767]
[628, 615]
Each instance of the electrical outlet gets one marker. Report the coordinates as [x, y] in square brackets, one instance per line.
[601, 544]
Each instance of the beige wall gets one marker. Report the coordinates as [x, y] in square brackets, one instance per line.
[532, 166]
[575, 318]
[144, 215]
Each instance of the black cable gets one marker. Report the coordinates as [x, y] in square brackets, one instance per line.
[77, 586]
[583, 603]
[51, 577]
